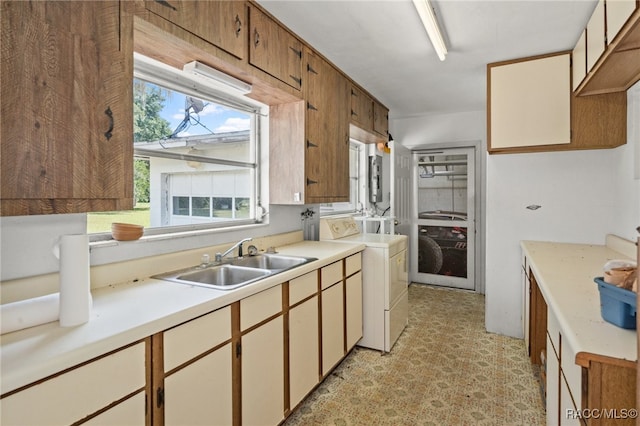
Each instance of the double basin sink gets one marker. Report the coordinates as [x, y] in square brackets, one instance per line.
[237, 272]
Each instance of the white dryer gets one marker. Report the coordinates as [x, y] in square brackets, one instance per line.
[385, 305]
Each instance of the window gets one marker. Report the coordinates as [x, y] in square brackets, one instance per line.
[356, 152]
[196, 154]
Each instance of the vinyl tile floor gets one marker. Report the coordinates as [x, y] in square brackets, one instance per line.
[445, 369]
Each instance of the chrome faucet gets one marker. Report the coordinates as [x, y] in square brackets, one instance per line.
[220, 256]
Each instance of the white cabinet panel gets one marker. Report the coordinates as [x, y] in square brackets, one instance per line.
[191, 339]
[618, 11]
[568, 412]
[303, 287]
[332, 327]
[353, 264]
[595, 35]
[552, 386]
[354, 309]
[129, 412]
[263, 374]
[261, 306]
[331, 274]
[77, 393]
[304, 350]
[579, 65]
[530, 102]
[201, 393]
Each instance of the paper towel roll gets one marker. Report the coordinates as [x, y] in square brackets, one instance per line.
[75, 293]
[29, 313]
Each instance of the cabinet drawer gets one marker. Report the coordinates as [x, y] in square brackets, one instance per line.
[331, 274]
[71, 396]
[189, 340]
[353, 264]
[261, 306]
[303, 287]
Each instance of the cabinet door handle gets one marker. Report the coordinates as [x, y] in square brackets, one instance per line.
[296, 79]
[238, 26]
[311, 182]
[109, 131]
[159, 397]
[256, 37]
[296, 51]
[165, 3]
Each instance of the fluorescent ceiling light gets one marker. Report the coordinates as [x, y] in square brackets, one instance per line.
[202, 70]
[430, 23]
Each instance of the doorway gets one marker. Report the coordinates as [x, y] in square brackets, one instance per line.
[444, 218]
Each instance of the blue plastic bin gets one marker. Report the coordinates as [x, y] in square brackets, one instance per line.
[617, 305]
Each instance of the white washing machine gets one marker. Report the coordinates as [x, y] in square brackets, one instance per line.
[385, 280]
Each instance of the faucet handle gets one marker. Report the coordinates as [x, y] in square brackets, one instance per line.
[252, 250]
[218, 257]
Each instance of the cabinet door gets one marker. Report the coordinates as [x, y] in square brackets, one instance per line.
[67, 121]
[529, 102]
[263, 374]
[332, 326]
[596, 38]
[552, 386]
[304, 350]
[380, 119]
[201, 393]
[274, 50]
[327, 133]
[129, 412]
[353, 301]
[222, 23]
[80, 392]
[618, 11]
[579, 64]
[361, 109]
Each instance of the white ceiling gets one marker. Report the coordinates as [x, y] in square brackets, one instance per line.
[383, 46]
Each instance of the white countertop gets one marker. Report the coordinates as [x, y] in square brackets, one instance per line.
[128, 312]
[565, 274]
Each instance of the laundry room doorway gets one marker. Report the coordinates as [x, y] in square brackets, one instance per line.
[444, 218]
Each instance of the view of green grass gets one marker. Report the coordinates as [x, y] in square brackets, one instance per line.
[101, 222]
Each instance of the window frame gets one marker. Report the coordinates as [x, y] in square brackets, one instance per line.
[167, 77]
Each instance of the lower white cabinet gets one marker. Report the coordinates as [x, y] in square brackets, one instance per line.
[353, 301]
[200, 393]
[304, 350]
[263, 374]
[84, 391]
[129, 412]
[332, 326]
[552, 386]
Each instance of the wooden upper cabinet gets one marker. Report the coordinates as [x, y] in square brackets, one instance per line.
[222, 23]
[274, 50]
[361, 108]
[380, 119]
[327, 131]
[67, 125]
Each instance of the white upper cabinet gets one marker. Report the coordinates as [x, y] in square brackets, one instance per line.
[529, 102]
[596, 39]
[618, 11]
[580, 60]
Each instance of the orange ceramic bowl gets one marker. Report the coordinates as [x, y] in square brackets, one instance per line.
[126, 231]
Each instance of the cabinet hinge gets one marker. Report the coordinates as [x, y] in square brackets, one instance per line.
[311, 182]
[310, 69]
[311, 144]
[311, 107]
[353, 113]
[353, 93]
[238, 350]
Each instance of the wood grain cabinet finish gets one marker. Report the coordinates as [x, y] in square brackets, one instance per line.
[327, 132]
[66, 121]
[309, 153]
[361, 108]
[274, 50]
[221, 23]
[110, 387]
[380, 119]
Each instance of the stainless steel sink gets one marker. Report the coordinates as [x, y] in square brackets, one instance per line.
[235, 273]
[273, 262]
